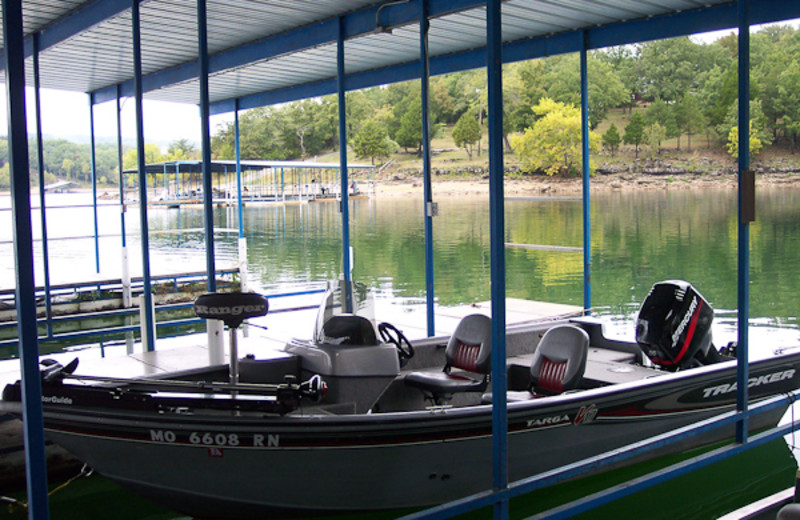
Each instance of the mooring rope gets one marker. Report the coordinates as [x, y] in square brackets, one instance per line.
[14, 504]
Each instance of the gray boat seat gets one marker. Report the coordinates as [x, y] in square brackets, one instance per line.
[349, 329]
[469, 351]
[558, 364]
[560, 360]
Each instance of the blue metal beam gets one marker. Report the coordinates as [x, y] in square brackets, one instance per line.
[587, 221]
[238, 170]
[668, 26]
[33, 419]
[123, 206]
[205, 136]
[147, 295]
[48, 306]
[345, 206]
[93, 165]
[745, 191]
[424, 25]
[497, 252]
[611, 458]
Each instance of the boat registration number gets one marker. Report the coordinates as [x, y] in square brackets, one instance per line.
[256, 440]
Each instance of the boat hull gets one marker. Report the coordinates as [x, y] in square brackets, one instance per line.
[223, 465]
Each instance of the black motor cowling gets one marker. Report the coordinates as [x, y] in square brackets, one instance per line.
[674, 326]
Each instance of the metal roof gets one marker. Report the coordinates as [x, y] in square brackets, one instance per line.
[268, 51]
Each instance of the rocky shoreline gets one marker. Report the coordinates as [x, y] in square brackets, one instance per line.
[641, 175]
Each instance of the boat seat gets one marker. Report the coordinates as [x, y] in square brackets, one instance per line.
[558, 364]
[349, 329]
[560, 360]
[469, 351]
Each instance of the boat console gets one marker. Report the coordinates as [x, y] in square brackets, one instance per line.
[345, 351]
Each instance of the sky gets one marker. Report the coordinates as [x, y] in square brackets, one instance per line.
[66, 114]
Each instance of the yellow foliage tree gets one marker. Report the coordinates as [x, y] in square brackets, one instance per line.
[733, 142]
[553, 143]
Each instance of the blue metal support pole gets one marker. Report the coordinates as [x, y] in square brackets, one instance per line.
[497, 252]
[340, 86]
[93, 164]
[123, 206]
[48, 306]
[147, 295]
[424, 24]
[33, 420]
[238, 168]
[205, 137]
[746, 200]
[587, 223]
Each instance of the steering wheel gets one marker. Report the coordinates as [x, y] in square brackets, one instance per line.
[390, 334]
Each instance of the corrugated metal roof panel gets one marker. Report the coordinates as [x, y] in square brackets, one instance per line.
[100, 54]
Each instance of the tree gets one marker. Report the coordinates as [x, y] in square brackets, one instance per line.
[664, 114]
[409, 135]
[152, 154]
[372, 141]
[182, 149]
[553, 144]
[612, 139]
[733, 142]
[689, 118]
[606, 89]
[634, 131]
[654, 134]
[466, 133]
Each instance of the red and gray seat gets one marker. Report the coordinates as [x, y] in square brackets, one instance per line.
[558, 364]
[560, 360]
[469, 353]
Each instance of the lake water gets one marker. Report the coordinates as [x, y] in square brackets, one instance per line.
[637, 239]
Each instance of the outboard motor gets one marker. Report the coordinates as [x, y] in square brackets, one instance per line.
[674, 326]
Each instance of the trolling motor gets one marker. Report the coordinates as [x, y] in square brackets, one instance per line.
[674, 327]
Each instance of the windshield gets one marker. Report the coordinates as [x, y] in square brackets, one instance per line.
[344, 298]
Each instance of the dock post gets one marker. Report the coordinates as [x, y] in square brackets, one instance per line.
[430, 206]
[344, 208]
[494, 73]
[746, 201]
[240, 204]
[19, 169]
[216, 347]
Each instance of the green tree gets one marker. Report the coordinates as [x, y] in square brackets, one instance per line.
[553, 144]
[152, 155]
[689, 118]
[466, 133]
[634, 131]
[663, 114]
[612, 139]
[180, 150]
[606, 89]
[372, 141]
[788, 103]
[654, 134]
[409, 134]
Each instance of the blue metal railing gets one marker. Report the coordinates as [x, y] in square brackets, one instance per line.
[581, 468]
[116, 313]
